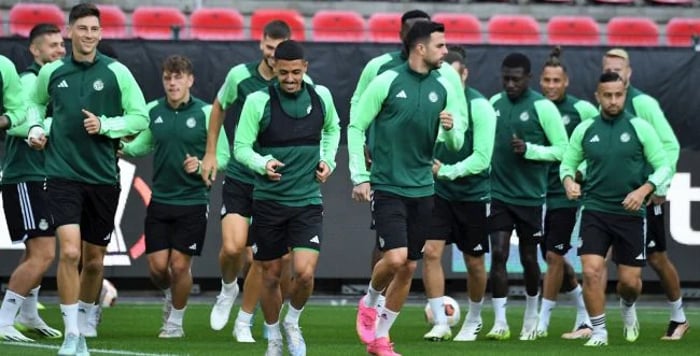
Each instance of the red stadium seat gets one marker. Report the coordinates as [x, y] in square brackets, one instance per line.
[157, 22]
[262, 17]
[680, 31]
[632, 31]
[513, 29]
[616, 2]
[573, 30]
[113, 21]
[384, 27]
[24, 16]
[460, 28]
[341, 26]
[216, 24]
[673, 2]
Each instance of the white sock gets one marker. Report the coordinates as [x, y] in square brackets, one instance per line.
[598, 324]
[293, 315]
[372, 297]
[70, 318]
[10, 306]
[244, 318]
[229, 288]
[29, 309]
[581, 313]
[629, 311]
[437, 306]
[273, 331]
[677, 313]
[381, 301]
[499, 309]
[531, 303]
[474, 313]
[176, 316]
[545, 313]
[168, 294]
[386, 320]
[84, 310]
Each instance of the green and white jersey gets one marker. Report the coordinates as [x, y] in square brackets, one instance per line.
[464, 175]
[616, 151]
[12, 102]
[522, 179]
[103, 87]
[404, 108]
[173, 134]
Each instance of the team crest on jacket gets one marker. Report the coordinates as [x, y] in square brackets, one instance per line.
[524, 116]
[98, 85]
[191, 122]
[625, 137]
[433, 97]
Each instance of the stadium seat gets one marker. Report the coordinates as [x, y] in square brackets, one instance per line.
[513, 29]
[616, 2]
[24, 16]
[384, 27]
[460, 28]
[680, 31]
[157, 22]
[113, 21]
[573, 30]
[341, 26]
[672, 2]
[216, 24]
[262, 17]
[632, 31]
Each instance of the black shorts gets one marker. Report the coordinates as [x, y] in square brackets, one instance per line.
[26, 210]
[464, 223]
[526, 220]
[626, 235]
[558, 229]
[402, 222]
[277, 228]
[92, 206]
[656, 229]
[237, 198]
[179, 227]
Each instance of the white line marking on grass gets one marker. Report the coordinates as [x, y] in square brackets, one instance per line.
[97, 351]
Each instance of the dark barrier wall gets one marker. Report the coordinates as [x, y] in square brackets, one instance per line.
[669, 74]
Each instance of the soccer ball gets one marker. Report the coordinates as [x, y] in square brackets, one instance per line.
[451, 310]
[108, 295]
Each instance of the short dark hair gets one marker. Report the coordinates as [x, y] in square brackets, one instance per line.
[178, 64]
[277, 30]
[289, 50]
[554, 59]
[517, 60]
[83, 10]
[414, 14]
[420, 32]
[609, 77]
[456, 53]
[42, 29]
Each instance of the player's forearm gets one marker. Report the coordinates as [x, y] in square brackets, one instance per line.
[356, 153]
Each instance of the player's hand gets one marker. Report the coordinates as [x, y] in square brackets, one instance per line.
[91, 123]
[36, 138]
[573, 189]
[518, 144]
[656, 200]
[208, 169]
[4, 122]
[271, 170]
[322, 172]
[191, 164]
[579, 177]
[436, 166]
[361, 192]
[368, 158]
[446, 120]
[634, 200]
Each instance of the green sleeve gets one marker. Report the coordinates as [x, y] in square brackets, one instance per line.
[585, 110]
[648, 109]
[247, 133]
[39, 93]
[135, 116]
[222, 149]
[654, 153]
[143, 143]
[573, 156]
[368, 107]
[369, 72]
[457, 106]
[228, 93]
[330, 138]
[13, 95]
[554, 130]
[484, 126]
[28, 80]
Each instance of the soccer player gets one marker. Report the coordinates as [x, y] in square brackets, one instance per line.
[560, 217]
[413, 101]
[288, 135]
[95, 101]
[529, 135]
[647, 108]
[617, 148]
[176, 218]
[26, 206]
[241, 81]
[462, 193]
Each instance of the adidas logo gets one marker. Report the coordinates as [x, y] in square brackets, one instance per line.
[193, 246]
[652, 243]
[478, 248]
[640, 257]
[595, 139]
[63, 84]
[537, 234]
[559, 247]
[82, 310]
[402, 95]
[12, 301]
[315, 240]
[159, 120]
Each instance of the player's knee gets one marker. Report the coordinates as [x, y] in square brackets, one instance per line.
[431, 253]
[70, 255]
[476, 265]
[592, 274]
[395, 261]
[93, 265]
[554, 260]
[305, 278]
[232, 250]
[657, 260]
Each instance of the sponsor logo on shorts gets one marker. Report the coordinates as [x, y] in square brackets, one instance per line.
[193, 247]
[43, 225]
[315, 240]
[559, 247]
[478, 248]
